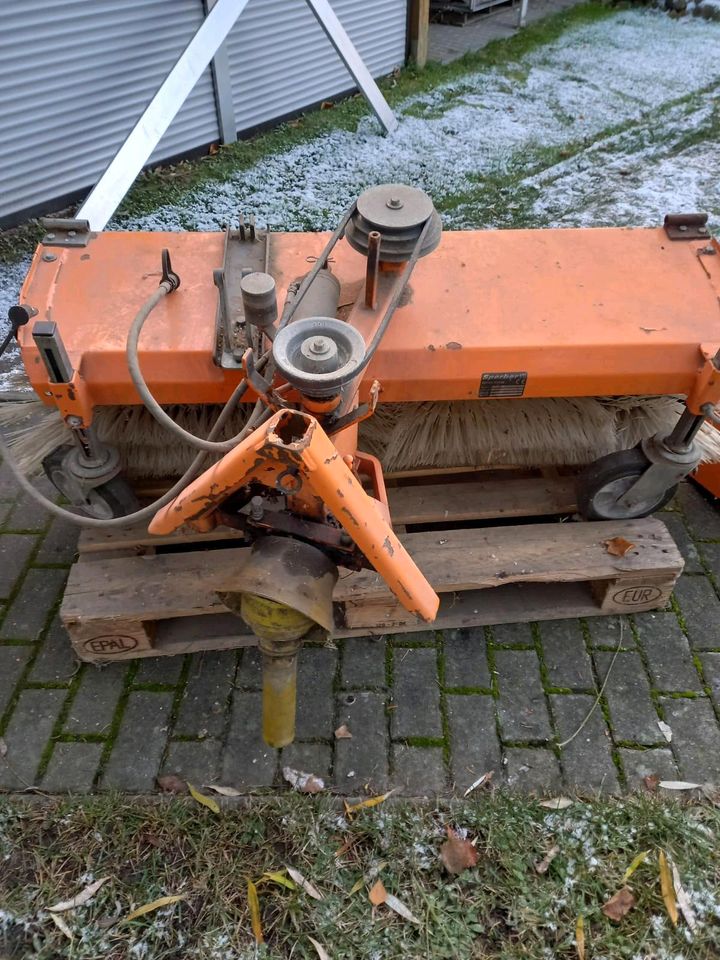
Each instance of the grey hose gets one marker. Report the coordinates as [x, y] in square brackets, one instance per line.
[149, 400]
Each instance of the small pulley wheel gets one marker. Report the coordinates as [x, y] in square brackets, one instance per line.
[318, 355]
[105, 501]
[604, 482]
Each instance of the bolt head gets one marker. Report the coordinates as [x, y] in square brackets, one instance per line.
[49, 257]
[49, 236]
[394, 203]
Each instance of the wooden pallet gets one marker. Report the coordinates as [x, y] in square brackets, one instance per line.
[134, 595]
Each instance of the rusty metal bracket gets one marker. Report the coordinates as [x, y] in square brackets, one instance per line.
[64, 232]
[707, 384]
[686, 226]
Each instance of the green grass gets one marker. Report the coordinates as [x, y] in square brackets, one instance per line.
[167, 185]
[502, 908]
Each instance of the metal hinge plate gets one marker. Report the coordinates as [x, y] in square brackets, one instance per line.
[64, 232]
[686, 226]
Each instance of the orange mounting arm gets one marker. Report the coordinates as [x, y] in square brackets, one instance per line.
[289, 453]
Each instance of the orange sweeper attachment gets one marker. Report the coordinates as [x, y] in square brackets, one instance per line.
[387, 329]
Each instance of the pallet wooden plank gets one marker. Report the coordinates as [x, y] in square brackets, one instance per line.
[182, 584]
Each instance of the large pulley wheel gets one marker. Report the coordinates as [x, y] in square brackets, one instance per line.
[601, 486]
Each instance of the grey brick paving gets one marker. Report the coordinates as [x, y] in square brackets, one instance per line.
[696, 738]
[522, 708]
[417, 695]
[473, 738]
[587, 760]
[27, 514]
[93, 707]
[668, 652]
[139, 745]
[638, 764]
[632, 714]
[466, 662]
[203, 707]
[532, 770]
[364, 758]
[566, 659]
[29, 611]
[216, 734]
[420, 771]
[700, 608]
[363, 662]
[27, 736]
[72, 767]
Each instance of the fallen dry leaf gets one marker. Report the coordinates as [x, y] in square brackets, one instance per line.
[651, 782]
[480, 782]
[309, 888]
[202, 799]
[666, 886]
[619, 904]
[377, 893]
[640, 858]
[678, 785]
[154, 905]
[665, 730]
[557, 803]
[580, 938]
[254, 906]
[682, 899]
[62, 926]
[303, 782]
[172, 784]
[327, 105]
[278, 876]
[457, 854]
[321, 951]
[370, 802]
[398, 907]
[223, 791]
[618, 546]
[79, 899]
[542, 866]
[342, 733]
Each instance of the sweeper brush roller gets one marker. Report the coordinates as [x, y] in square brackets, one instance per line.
[279, 375]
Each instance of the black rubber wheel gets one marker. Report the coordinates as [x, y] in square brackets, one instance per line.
[601, 484]
[106, 502]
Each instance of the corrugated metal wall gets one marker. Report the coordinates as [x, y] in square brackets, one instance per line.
[76, 74]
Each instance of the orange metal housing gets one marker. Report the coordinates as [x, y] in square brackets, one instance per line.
[582, 312]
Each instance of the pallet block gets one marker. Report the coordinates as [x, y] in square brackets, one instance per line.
[133, 595]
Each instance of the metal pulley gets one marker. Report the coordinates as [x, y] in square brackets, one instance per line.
[398, 213]
[318, 355]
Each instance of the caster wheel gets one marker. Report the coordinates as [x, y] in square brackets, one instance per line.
[600, 486]
[109, 500]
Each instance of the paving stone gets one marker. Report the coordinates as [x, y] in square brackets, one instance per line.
[711, 669]
[93, 708]
[466, 663]
[522, 708]
[700, 608]
[27, 514]
[160, 670]
[248, 762]
[513, 634]
[473, 737]
[315, 680]
[416, 694]
[8, 483]
[31, 607]
[609, 631]
[365, 756]
[532, 770]
[59, 544]
[249, 673]
[197, 761]
[204, 705]
[313, 758]
[566, 659]
[15, 550]
[27, 735]
[679, 532]
[587, 760]
[668, 652]
[419, 771]
[55, 662]
[12, 663]
[703, 519]
[72, 767]
[639, 764]
[710, 552]
[696, 738]
[632, 714]
[363, 662]
[140, 743]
